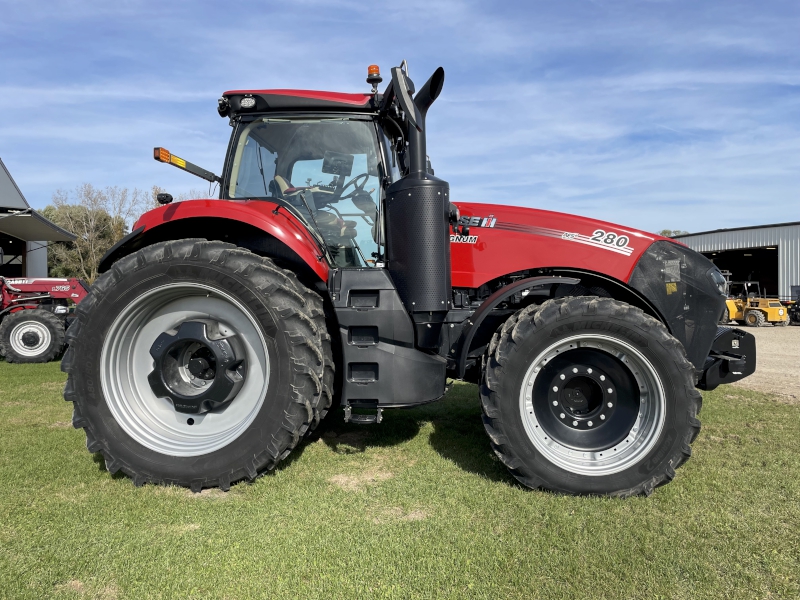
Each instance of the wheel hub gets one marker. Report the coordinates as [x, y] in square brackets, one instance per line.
[198, 367]
[582, 397]
[585, 399]
[566, 424]
[30, 339]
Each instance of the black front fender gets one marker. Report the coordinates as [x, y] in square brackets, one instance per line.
[678, 282]
[474, 321]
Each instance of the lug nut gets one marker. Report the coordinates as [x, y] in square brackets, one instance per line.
[555, 388]
[588, 370]
[610, 405]
[574, 370]
[590, 423]
[602, 377]
[562, 415]
[555, 402]
[574, 423]
[563, 377]
[602, 417]
[610, 391]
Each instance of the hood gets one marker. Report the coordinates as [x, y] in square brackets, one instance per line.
[495, 240]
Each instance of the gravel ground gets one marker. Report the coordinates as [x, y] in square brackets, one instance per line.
[777, 362]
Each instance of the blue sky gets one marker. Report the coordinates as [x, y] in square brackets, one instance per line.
[654, 114]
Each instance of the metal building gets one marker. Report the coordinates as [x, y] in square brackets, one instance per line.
[769, 254]
[24, 233]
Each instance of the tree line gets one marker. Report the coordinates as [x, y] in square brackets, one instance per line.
[99, 217]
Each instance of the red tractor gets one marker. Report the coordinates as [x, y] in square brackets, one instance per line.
[33, 312]
[335, 268]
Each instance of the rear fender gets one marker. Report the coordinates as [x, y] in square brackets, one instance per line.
[262, 227]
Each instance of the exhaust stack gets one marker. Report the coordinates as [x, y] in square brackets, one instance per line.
[417, 219]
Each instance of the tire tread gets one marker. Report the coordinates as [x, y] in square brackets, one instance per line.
[305, 334]
[525, 323]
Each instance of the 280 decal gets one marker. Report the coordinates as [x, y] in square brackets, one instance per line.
[609, 238]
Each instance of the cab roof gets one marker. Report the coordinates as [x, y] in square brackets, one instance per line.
[305, 100]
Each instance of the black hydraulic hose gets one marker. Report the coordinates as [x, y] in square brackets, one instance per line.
[396, 126]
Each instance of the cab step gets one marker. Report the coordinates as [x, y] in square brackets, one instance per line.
[362, 419]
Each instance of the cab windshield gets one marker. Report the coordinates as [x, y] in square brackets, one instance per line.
[326, 169]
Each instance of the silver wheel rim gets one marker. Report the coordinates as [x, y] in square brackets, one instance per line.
[643, 434]
[126, 362]
[35, 327]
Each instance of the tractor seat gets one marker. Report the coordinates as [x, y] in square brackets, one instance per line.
[335, 229]
[283, 185]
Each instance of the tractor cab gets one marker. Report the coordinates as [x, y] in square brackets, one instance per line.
[327, 170]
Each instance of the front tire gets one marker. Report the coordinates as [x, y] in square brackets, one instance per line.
[589, 396]
[31, 336]
[154, 417]
[754, 318]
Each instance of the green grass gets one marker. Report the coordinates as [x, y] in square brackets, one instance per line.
[415, 507]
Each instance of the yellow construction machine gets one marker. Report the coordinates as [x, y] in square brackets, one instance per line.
[746, 304]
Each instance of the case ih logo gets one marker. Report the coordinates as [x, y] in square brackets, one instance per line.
[477, 221]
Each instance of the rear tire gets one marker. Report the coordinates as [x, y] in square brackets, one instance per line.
[316, 310]
[625, 408]
[754, 318]
[150, 294]
[31, 336]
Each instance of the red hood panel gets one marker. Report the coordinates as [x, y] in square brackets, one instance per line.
[504, 239]
[501, 239]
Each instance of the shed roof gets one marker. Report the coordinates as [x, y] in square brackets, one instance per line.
[10, 195]
[686, 235]
[19, 220]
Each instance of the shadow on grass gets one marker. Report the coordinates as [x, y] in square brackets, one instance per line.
[100, 461]
[458, 433]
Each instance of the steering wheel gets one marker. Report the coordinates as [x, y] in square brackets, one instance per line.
[359, 187]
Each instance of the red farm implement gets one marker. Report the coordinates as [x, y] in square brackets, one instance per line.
[33, 314]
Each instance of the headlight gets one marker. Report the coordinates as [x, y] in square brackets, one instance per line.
[780, 312]
[718, 279]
